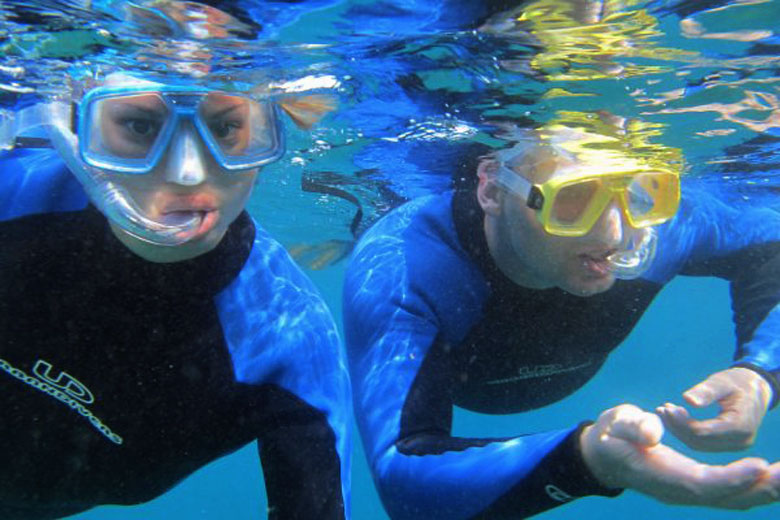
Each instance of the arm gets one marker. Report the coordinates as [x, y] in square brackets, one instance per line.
[301, 462]
[284, 345]
[398, 363]
[744, 248]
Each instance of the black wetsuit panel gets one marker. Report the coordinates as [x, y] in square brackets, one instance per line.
[117, 382]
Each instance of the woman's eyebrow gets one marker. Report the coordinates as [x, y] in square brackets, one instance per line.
[223, 111]
[129, 105]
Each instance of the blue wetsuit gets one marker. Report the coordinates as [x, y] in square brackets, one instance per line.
[431, 322]
[119, 377]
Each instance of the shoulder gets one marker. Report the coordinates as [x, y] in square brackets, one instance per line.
[410, 259]
[420, 234]
[274, 317]
[37, 181]
[413, 221]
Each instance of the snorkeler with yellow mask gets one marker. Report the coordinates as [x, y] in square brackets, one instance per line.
[510, 296]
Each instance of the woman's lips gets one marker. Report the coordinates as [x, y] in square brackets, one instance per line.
[206, 219]
[195, 213]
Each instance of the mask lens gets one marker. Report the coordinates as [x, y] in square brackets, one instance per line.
[652, 197]
[125, 127]
[243, 130]
[129, 132]
[641, 194]
[572, 202]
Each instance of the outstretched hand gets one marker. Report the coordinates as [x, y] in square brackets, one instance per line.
[623, 450]
[743, 396]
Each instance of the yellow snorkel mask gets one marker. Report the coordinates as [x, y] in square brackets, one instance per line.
[591, 170]
[571, 204]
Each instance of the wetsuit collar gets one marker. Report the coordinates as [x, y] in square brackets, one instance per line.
[202, 276]
[469, 220]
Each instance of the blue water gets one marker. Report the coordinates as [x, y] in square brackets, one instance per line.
[386, 145]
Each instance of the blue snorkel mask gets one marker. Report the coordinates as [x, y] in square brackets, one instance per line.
[128, 128]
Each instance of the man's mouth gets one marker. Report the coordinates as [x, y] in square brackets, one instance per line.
[596, 264]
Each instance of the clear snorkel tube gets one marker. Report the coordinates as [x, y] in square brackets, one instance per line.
[636, 256]
[109, 197]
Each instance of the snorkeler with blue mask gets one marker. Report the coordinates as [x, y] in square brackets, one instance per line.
[130, 132]
[149, 325]
[510, 295]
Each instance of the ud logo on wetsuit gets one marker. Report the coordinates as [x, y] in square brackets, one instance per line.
[63, 382]
[557, 493]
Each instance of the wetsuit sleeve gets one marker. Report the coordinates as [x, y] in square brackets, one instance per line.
[711, 238]
[284, 345]
[37, 181]
[402, 399]
[301, 462]
[755, 296]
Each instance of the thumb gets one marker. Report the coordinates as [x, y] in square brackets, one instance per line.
[707, 392]
[637, 427]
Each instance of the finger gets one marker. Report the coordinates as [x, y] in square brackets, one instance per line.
[683, 480]
[707, 392]
[677, 420]
[673, 414]
[674, 478]
[723, 433]
[726, 424]
[637, 426]
[765, 491]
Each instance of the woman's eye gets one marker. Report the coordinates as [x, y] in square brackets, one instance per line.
[225, 129]
[142, 127]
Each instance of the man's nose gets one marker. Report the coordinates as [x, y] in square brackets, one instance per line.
[186, 161]
[609, 227]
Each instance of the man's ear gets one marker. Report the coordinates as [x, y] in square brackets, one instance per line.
[489, 193]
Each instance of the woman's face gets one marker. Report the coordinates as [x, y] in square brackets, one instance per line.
[187, 182]
[180, 189]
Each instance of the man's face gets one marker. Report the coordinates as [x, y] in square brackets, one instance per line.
[575, 264]
[533, 257]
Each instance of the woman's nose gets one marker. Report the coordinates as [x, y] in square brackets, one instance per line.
[186, 163]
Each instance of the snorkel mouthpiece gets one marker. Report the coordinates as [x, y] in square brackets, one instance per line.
[118, 207]
[110, 198]
[637, 255]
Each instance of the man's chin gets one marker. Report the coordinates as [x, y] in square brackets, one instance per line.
[590, 286]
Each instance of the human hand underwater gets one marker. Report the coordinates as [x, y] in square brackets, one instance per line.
[623, 450]
[743, 396]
